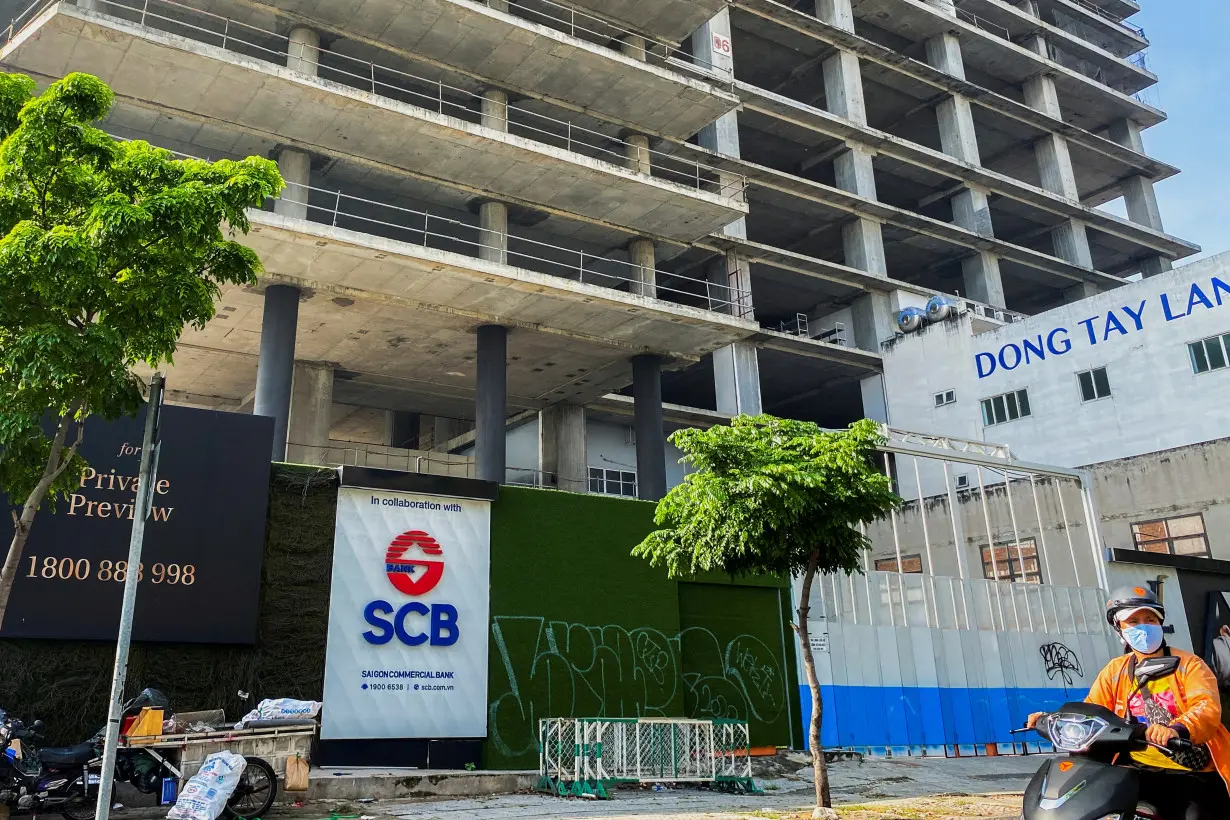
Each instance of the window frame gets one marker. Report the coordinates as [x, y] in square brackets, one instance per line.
[1138, 543]
[997, 410]
[1013, 562]
[905, 559]
[605, 481]
[1201, 346]
[945, 397]
[1092, 374]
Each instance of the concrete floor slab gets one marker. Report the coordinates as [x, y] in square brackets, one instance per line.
[528, 52]
[671, 20]
[151, 66]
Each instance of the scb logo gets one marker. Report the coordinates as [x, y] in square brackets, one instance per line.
[412, 576]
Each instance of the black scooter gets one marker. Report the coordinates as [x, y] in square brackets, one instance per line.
[46, 780]
[1085, 785]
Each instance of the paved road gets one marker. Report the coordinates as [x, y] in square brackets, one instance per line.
[883, 784]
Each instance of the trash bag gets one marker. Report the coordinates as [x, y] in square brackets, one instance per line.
[205, 796]
[282, 709]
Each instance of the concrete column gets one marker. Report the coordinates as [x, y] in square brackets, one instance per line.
[633, 45]
[276, 366]
[1055, 167]
[736, 374]
[402, 429]
[562, 446]
[636, 150]
[644, 268]
[650, 428]
[861, 236]
[836, 13]
[498, 5]
[311, 410]
[872, 316]
[730, 285]
[444, 431]
[89, 5]
[493, 231]
[1079, 291]
[980, 271]
[296, 169]
[1138, 192]
[843, 87]
[495, 109]
[1072, 243]
[303, 51]
[491, 404]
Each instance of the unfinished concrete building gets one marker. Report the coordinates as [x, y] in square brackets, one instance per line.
[514, 229]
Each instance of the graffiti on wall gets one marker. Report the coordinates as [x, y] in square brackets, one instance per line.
[560, 669]
[1060, 661]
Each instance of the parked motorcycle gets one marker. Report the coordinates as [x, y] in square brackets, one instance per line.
[1085, 785]
[63, 780]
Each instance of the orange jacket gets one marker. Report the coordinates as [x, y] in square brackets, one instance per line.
[1196, 696]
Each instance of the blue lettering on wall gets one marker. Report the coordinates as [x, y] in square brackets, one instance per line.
[1012, 355]
[1112, 324]
[371, 614]
[1170, 317]
[1088, 323]
[1065, 341]
[1197, 295]
[989, 361]
[1136, 314]
[1034, 349]
[1218, 287]
[1016, 357]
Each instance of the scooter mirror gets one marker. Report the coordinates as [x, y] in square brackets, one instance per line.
[1154, 668]
[37, 726]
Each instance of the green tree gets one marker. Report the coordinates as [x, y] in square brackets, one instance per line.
[109, 250]
[771, 496]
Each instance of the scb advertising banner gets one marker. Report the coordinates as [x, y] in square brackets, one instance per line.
[408, 614]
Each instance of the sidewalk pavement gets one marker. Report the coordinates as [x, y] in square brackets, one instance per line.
[933, 788]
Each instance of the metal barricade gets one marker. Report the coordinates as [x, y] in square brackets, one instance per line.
[587, 756]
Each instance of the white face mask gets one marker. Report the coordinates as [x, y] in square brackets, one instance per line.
[1144, 638]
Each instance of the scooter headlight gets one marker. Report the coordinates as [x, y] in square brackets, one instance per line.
[1074, 733]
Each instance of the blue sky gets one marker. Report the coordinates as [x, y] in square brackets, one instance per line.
[1190, 57]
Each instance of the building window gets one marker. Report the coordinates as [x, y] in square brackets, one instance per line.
[1210, 354]
[1005, 408]
[1005, 563]
[612, 482]
[947, 397]
[909, 563]
[1183, 535]
[962, 482]
[1094, 384]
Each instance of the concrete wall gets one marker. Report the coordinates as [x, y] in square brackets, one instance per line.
[1157, 402]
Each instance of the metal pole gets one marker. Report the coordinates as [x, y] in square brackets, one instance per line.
[1095, 537]
[1067, 531]
[922, 516]
[1046, 563]
[957, 541]
[897, 544]
[1020, 554]
[145, 497]
[986, 517]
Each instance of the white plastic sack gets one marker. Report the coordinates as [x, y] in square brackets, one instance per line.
[282, 709]
[205, 796]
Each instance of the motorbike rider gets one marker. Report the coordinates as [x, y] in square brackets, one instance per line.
[1192, 710]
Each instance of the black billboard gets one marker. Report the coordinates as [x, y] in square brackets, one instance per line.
[201, 562]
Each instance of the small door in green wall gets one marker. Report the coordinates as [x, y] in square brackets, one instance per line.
[734, 658]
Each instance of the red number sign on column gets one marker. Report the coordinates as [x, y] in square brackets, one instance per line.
[722, 45]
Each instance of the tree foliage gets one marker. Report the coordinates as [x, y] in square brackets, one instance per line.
[771, 496]
[766, 493]
[108, 250]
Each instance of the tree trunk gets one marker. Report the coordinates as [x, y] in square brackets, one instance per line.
[57, 462]
[824, 798]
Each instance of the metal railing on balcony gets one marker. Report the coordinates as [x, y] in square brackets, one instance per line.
[596, 30]
[982, 23]
[341, 210]
[1106, 15]
[171, 17]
